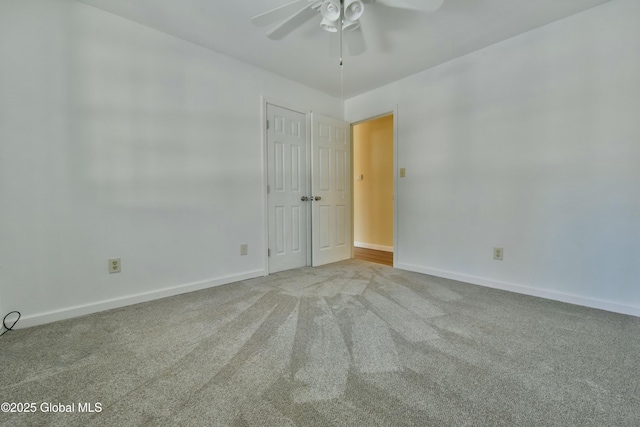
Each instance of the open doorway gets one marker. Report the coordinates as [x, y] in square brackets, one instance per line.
[373, 190]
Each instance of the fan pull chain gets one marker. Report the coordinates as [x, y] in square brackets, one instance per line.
[341, 50]
[341, 82]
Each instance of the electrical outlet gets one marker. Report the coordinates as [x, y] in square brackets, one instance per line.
[114, 265]
[497, 253]
[244, 249]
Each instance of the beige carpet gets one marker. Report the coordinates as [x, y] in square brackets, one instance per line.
[350, 344]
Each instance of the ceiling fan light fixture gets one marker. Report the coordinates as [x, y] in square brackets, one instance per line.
[331, 26]
[353, 10]
[330, 10]
[350, 25]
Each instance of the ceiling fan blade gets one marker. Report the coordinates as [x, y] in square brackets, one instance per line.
[421, 5]
[293, 22]
[355, 42]
[278, 14]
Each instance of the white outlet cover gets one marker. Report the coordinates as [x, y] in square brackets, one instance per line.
[114, 265]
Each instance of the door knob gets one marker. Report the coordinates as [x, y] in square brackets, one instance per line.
[317, 198]
[304, 198]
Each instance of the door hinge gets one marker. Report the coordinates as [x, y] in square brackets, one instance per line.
[268, 252]
[268, 189]
[267, 124]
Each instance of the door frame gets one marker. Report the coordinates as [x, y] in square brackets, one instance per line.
[265, 175]
[396, 176]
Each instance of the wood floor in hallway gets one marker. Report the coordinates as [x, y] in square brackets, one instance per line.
[372, 255]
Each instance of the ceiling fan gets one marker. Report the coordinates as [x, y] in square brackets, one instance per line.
[340, 17]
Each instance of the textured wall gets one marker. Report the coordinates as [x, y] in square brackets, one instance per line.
[121, 141]
[533, 145]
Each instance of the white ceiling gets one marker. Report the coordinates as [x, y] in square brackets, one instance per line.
[399, 42]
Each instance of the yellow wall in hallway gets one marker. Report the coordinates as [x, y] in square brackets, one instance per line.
[373, 195]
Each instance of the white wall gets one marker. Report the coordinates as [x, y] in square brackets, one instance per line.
[117, 140]
[533, 145]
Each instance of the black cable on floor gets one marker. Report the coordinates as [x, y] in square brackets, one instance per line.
[4, 322]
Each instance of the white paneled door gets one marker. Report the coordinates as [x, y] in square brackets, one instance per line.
[288, 188]
[292, 192]
[331, 190]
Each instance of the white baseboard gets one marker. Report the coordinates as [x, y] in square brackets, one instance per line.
[372, 246]
[81, 310]
[526, 290]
